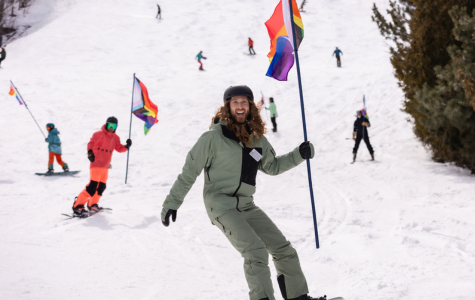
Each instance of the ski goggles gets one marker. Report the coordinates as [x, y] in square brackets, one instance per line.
[111, 125]
[48, 128]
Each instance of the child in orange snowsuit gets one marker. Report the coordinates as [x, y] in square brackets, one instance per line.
[99, 152]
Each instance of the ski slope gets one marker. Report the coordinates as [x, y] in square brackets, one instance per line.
[397, 228]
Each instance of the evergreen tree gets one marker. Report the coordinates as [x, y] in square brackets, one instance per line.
[449, 106]
[422, 33]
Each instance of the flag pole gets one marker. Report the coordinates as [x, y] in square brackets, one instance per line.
[265, 108]
[26, 106]
[304, 124]
[130, 128]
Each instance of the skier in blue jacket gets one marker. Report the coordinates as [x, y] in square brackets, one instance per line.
[54, 148]
[337, 54]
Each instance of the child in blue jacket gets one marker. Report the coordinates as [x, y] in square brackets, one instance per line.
[54, 148]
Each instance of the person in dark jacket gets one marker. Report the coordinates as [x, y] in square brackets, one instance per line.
[360, 131]
[337, 53]
[159, 12]
[3, 54]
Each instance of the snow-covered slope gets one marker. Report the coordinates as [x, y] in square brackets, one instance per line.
[397, 228]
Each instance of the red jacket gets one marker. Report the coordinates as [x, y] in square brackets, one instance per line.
[250, 43]
[102, 144]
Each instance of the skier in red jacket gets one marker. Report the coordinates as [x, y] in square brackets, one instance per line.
[250, 43]
[99, 152]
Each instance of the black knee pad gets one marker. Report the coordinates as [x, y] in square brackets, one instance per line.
[92, 187]
[101, 188]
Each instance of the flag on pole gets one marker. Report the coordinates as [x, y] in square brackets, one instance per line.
[279, 27]
[363, 111]
[142, 107]
[261, 102]
[14, 93]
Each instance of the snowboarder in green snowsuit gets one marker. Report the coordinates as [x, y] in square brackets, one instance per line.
[273, 113]
[231, 153]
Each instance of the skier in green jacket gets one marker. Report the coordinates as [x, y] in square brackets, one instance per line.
[231, 153]
[273, 113]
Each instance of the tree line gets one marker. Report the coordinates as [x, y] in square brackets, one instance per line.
[433, 55]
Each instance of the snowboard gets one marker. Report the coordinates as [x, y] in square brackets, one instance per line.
[90, 214]
[58, 173]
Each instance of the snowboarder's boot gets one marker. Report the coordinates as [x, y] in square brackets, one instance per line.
[65, 167]
[94, 208]
[372, 156]
[80, 212]
[50, 169]
[354, 157]
[274, 130]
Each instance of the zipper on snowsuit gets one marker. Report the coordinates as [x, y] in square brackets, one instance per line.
[234, 195]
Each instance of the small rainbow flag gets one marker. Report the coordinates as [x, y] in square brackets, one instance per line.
[279, 27]
[261, 102]
[363, 111]
[142, 107]
[13, 93]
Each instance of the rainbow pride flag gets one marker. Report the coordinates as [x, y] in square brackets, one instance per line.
[279, 27]
[14, 93]
[142, 107]
[261, 102]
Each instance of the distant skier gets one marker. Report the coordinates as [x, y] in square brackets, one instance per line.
[54, 148]
[199, 57]
[360, 131]
[273, 113]
[159, 13]
[231, 153]
[302, 5]
[3, 54]
[99, 152]
[337, 54]
[250, 43]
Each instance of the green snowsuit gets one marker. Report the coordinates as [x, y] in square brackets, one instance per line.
[273, 110]
[230, 179]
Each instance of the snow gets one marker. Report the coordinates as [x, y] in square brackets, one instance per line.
[397, 228]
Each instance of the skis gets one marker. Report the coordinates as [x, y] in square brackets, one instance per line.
[337, 298]
[90, 214]
[58, 173]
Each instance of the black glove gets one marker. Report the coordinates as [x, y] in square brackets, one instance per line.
[166, 213]
[90, 155]
[46, 139]
[129, 143]
[305, 150]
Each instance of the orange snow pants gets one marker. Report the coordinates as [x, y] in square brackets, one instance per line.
[93, 191]
[52, 155]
